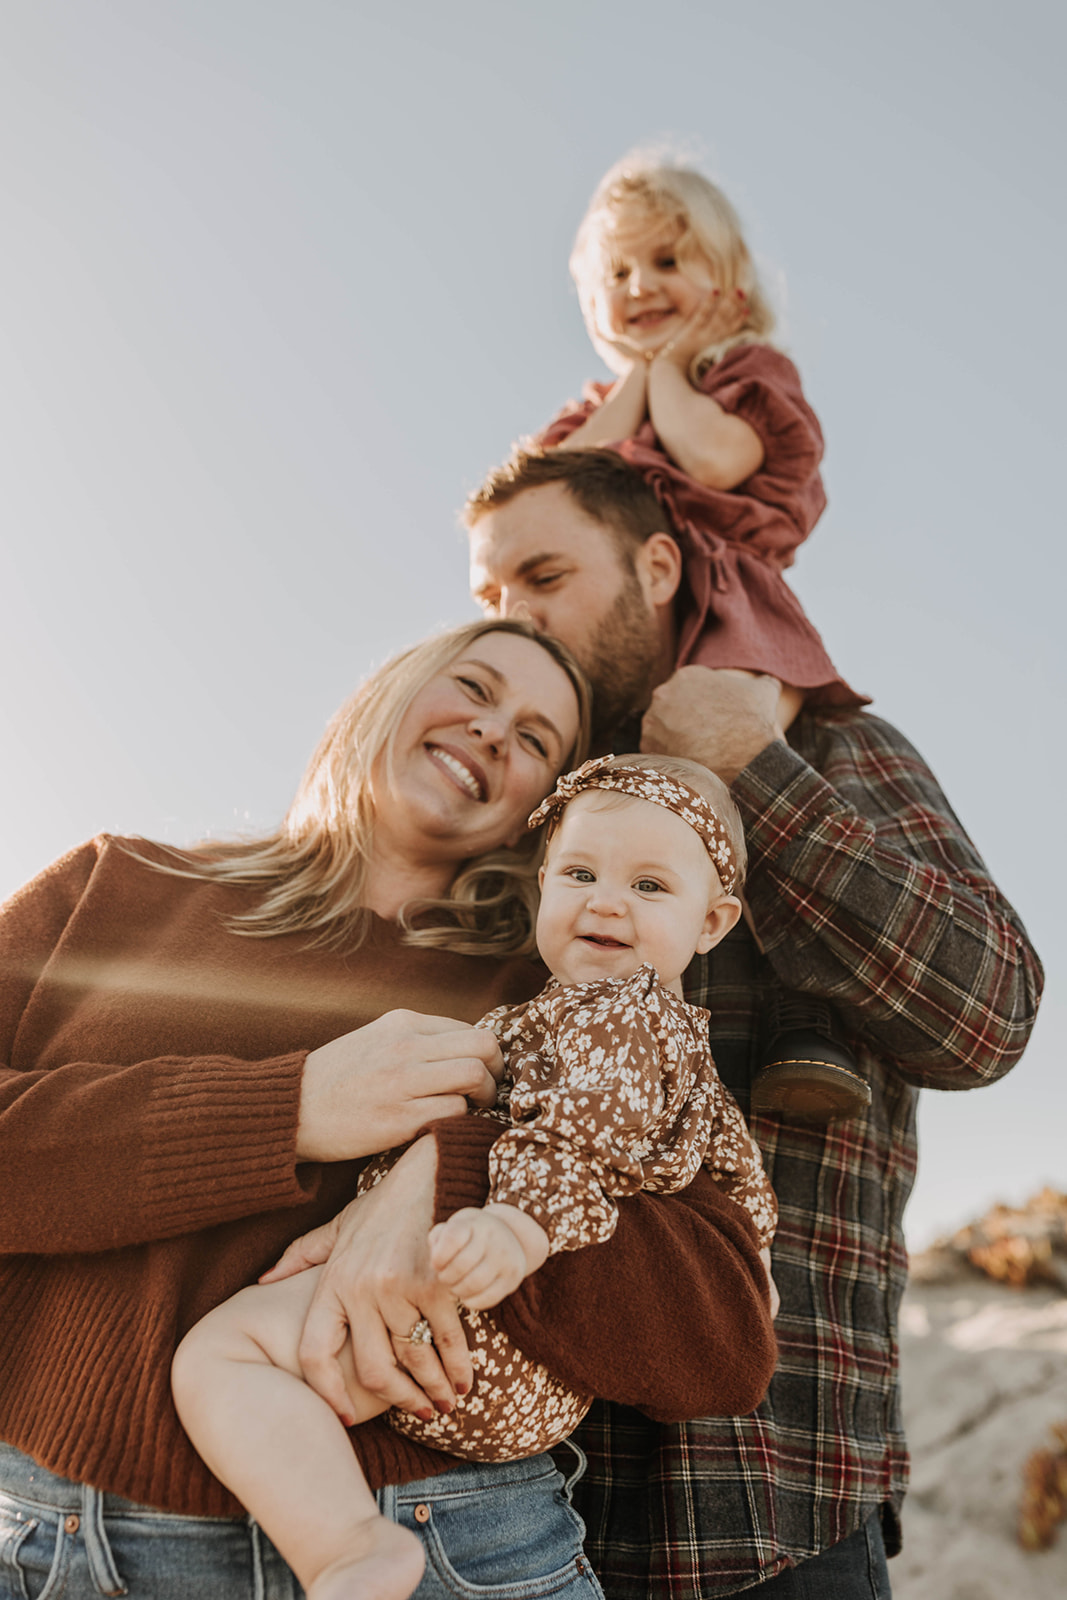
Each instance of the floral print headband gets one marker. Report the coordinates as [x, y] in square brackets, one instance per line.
[646, 783]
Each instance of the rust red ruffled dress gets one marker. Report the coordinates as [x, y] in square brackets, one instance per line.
[738, 610]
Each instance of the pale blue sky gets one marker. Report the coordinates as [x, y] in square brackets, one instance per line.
[281, 278]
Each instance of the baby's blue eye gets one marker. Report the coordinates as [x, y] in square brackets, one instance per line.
[648, 886]
[581, 875]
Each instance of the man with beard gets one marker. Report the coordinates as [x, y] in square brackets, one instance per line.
[863, 891]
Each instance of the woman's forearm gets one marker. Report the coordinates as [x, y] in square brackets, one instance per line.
[100, 1157]
[671, 1315]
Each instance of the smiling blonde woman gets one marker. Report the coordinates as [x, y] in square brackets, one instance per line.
[200, 1050]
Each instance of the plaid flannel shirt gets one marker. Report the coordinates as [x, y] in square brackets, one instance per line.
[866, 891]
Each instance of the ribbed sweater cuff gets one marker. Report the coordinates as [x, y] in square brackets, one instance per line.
[221, 1142]
[463, 1145]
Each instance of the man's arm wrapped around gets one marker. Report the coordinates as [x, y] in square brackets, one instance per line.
[866, 891]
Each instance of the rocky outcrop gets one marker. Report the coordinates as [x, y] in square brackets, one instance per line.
[985, 1384]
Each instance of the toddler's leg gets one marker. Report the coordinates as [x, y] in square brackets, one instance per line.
[283, 1451]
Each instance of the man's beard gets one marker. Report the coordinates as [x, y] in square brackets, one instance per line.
[620, 660]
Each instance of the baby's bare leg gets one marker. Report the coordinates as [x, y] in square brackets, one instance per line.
[283, 1451]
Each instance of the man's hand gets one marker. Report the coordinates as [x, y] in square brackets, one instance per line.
[484, 1255]
[720, 717]
[380, 1085]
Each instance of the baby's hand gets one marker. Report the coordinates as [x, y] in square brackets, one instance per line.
[765, 1257]
[482, 1256]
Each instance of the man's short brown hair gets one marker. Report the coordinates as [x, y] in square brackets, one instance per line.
[605, 486]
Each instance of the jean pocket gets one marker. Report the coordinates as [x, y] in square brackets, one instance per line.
[469, 1561]
[32, 1559]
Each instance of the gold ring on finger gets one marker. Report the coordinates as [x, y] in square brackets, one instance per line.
[421, 1333]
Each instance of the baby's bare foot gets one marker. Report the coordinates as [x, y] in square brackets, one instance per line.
[383, 1563]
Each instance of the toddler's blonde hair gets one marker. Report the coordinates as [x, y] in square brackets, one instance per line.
[643, 187]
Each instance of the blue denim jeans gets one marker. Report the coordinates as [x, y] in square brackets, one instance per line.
[490, 1532]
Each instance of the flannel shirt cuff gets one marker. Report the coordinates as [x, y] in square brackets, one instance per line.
[780, 797]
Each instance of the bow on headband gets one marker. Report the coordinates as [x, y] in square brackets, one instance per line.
[646, 783]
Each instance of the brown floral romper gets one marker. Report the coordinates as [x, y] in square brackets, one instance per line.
[610, 1089]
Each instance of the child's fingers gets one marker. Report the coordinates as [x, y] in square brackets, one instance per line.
[477, 1279]
[499, 1285]
[715, 309]
[463, 1266]
[728, 312]
[447, 1239]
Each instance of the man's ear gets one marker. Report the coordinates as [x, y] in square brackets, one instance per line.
[718, 922]
[659, 568]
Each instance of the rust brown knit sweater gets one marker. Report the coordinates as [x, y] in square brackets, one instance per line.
[150, 1068]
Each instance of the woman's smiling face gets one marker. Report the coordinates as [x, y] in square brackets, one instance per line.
[480, 744]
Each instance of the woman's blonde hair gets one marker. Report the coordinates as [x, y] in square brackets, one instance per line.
[643, 188]
[313, 868]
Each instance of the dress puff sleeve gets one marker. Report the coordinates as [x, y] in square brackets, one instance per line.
[602, 1095]
[774, 510]
[762, 386]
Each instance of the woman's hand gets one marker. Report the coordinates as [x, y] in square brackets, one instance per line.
[376, 1286]
[380, 1085]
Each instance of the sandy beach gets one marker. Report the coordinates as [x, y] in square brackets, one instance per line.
[985, 1378]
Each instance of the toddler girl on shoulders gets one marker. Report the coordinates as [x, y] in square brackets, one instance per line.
[708, 410]
[714, 417]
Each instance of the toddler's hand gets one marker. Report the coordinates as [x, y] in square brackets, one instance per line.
[482, 1256]
[719, 317]
[625, 354]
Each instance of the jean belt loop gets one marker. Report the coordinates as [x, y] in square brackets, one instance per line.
[255, 1551]
[102, 1567]
[387, 1502]
[579, 1470]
